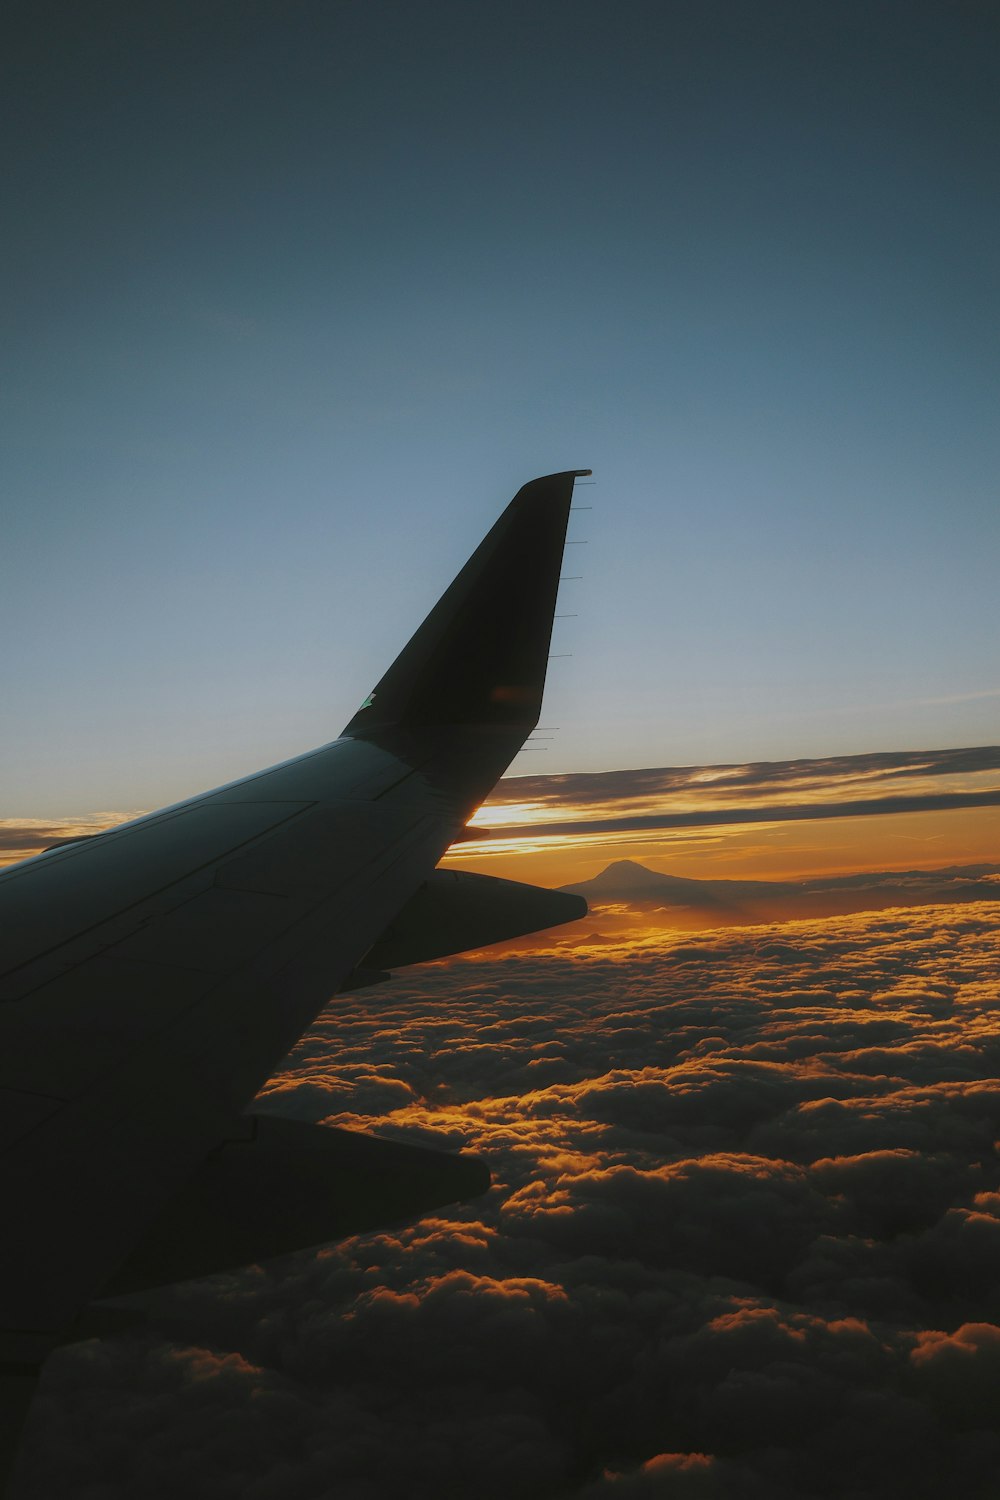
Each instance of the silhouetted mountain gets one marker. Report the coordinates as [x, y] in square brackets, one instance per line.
[627, 879]
[682, 901]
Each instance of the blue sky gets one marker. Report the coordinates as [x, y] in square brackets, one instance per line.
[295, 297]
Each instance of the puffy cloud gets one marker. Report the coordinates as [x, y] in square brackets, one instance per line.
[740, 1216]
[960, 1371]
[888, 1192]
[742, 1241]
[688, 1476]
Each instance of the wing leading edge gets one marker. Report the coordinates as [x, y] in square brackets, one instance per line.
[153, 978]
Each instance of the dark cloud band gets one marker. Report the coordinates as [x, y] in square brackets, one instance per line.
[771, 813]
[755, 777]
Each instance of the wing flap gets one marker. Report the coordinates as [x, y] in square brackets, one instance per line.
[288, 1186]
[455, 911]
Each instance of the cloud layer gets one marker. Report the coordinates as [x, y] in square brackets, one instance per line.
[615, 802]
[742, 1241]
[612, 803]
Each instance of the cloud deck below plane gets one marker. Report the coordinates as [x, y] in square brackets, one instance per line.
[742, 1241]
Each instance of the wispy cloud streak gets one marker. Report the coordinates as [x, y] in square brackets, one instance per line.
[533, 810]
[614, 802]
[777, 813]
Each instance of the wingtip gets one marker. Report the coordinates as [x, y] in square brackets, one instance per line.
[479, 659]
[557, 487]
[559, 474]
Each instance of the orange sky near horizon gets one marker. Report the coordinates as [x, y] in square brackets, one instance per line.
[751, 851]
[563, 828]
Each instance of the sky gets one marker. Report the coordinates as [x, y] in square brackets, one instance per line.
[295, 297]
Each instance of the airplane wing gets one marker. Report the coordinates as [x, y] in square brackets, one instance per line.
[154, 976]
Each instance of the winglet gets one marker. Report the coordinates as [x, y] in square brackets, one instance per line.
[479, 658]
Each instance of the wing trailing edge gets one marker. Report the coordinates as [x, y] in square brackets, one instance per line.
[287, 1186]
[455, 911]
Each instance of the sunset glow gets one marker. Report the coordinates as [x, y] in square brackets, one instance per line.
[570, 826]
[297, 297]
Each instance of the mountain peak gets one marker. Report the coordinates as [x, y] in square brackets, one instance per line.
[625, 875]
